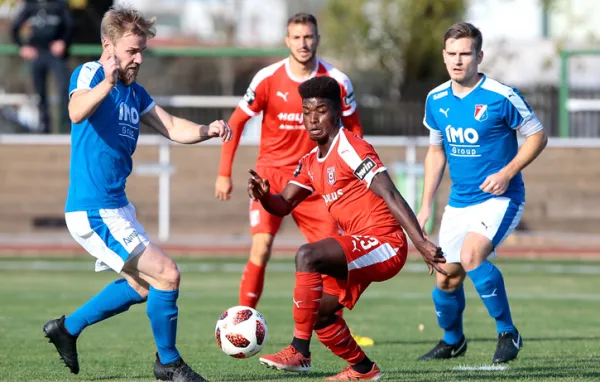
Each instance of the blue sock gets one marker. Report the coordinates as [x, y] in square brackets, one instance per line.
[162, 311]
[489, 283]
[449, 307]
[115, 298]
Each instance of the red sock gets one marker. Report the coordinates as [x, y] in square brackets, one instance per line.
[251, 286]
[307, 298]
[337, 338]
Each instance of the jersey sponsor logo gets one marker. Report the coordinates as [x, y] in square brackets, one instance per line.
[481, 113]
[129, 119]
[250, 96]
[364, 168]
[331, 175]
[128, 114]
[297, 170]
[463, 142]
[333, 196]
[440, 95]
[291, 117]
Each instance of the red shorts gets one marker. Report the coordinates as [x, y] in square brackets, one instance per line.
[311, 216]
[370, 259]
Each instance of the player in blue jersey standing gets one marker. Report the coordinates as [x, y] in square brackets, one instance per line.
[473, 122]
[106, 107]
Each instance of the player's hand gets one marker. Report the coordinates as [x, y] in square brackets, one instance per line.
[111, 69]
[57, 48]
[258, 187]
[433, 256]
[221, 129]
[28, 53]
[223, 187]
[423, 218]
[495, 184]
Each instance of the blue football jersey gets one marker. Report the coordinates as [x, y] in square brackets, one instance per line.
[479, 132]
[102, 145]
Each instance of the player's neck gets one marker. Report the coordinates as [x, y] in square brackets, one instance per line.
[466, 86]
[325, 143]
[303, 70]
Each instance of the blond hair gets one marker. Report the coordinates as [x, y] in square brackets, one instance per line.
[120, 20]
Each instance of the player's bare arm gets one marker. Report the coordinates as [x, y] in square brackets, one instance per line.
[383, 187]
[534, 144]
[83, 103]
[183, 131]
[275, 204]
[435, 164]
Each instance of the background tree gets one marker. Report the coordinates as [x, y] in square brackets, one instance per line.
[390, 46]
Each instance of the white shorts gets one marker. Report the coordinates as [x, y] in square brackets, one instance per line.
[113, 236]
[495, 219]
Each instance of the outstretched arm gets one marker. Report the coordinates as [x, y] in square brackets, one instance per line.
[382, 186]
[183, 131]
[276, 204]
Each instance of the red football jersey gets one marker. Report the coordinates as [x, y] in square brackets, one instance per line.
[283, 140]
[342, 177]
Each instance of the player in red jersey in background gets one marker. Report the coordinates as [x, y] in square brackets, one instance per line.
[274, 91]
[332, 273]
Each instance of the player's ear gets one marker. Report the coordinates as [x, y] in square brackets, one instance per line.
[479, 57]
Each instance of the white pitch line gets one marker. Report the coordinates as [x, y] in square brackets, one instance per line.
[482, 368]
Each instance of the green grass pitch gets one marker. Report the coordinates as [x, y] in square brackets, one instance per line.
[555, 305]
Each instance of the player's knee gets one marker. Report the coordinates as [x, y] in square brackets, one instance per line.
[450, 282]
[470, 259]
[169, 275]
[307, 259]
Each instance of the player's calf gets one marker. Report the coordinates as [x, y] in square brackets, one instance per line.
[65, 343]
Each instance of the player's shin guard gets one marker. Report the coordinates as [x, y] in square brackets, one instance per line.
[115, 298]
[251, 286]
[162, 311]
[449, 307]
[307, 298]
[337, 338]
[489, 283]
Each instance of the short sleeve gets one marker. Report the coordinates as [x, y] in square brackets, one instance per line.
[348, 98]
[516, 112]
[255, 98]
[302, 177]
[428, 119]
[146, 101]
[86, 77]
[362, 159]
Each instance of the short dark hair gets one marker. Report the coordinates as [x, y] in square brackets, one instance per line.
[322, 87]
[303, 18]
[465, 30]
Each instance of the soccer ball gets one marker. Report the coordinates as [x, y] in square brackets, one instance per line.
[241, 332]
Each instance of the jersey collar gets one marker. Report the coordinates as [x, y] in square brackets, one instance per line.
[465, 95]
[300, 80]
[335, 140]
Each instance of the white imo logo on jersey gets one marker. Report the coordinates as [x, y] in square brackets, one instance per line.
[128, 114]
[283, 95]
[445, 112]
[463, 141]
